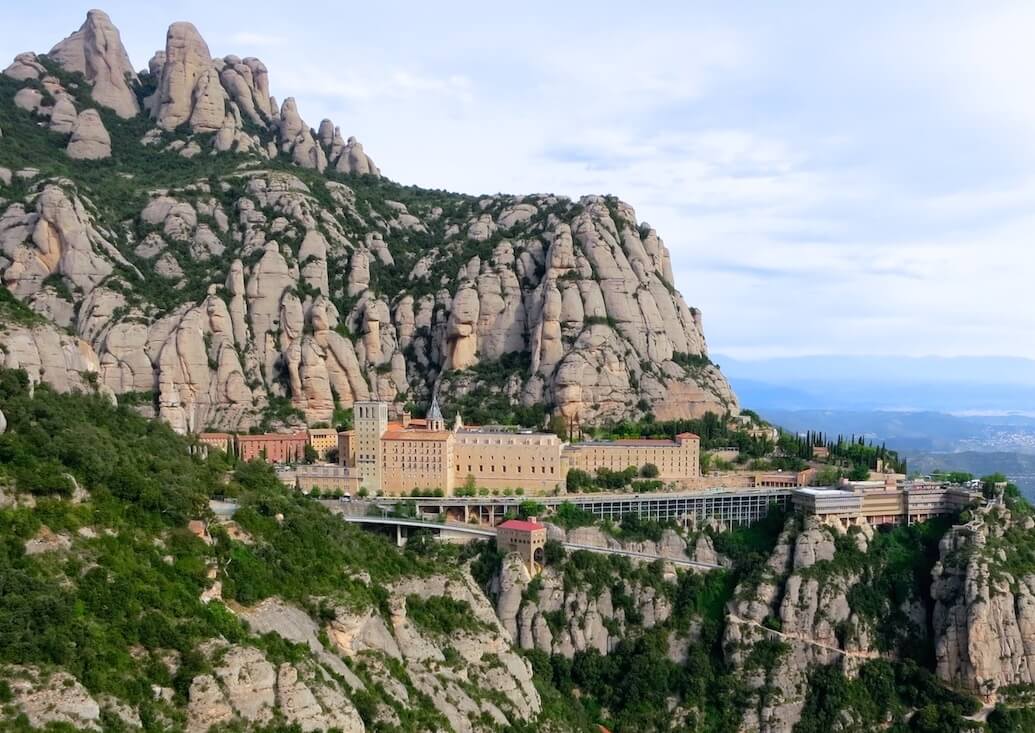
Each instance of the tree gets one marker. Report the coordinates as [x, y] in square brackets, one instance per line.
[531, 508]
[649, 470]
[309, 454]
[559, 427]
[859, 472]
[553, 552]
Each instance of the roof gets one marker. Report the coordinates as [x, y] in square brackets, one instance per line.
[521, 525]
[433, 435]
[322, 431]
[435, 413]
[628, 442]
[273, 436]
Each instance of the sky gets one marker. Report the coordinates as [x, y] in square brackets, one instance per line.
[830, 177]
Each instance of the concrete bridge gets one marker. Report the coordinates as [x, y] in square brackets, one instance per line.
[457, 530]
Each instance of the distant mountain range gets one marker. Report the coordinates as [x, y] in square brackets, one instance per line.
[973, 414]
[939, 384]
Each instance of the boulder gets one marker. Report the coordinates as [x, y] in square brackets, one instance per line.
[90, 140]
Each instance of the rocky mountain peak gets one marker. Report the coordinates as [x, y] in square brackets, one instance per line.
[96, 52]
[268, 264]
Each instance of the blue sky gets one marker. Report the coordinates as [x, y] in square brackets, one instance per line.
[831, 178]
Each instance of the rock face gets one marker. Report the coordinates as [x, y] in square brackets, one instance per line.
[593, 619]
[56, 698]
[96, 51]
[186, 60]
[984, 617]
[816, 626]
[90, 141]
[235, 290]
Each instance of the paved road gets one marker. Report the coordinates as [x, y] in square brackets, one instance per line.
[487, 533]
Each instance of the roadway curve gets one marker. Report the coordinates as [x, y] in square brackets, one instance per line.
[489, 533]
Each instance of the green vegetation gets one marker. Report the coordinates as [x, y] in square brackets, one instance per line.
[884, 691]
[442, 615]
[480, 393]
[857, 456]
[135, 577]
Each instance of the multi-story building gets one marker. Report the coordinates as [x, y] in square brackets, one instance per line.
[325, 477]
[677, 460]
[323, 440]
[396, 457]
[497, 458]
[370, 421]
[222, 441]
[883, 503]
[525, 537]
[273, 447]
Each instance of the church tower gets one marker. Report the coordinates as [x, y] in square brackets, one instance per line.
[435, 419]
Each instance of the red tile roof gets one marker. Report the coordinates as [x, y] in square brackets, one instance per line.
[522, 525]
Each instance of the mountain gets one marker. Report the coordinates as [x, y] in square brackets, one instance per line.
[200, 250]
[128, 604]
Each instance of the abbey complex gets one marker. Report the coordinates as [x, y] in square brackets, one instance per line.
[286, 445]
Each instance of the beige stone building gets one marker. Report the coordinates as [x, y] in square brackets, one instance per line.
[323, 440]
[883, 503]
[396, 457]
[678, 461]
[505, 459]
[525, 537]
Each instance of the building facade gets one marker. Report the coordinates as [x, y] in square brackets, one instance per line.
[273, 447]
[525, 537]
[678, 460]
[370, 421]
[504, 459]
[323, 440]
[883, 503]
[396, 457]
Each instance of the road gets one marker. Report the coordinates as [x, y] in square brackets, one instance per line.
[484, 532]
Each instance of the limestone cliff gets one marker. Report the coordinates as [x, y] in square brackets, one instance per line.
[794, 617]
[555, 615]
[984, 594]
[266, 262]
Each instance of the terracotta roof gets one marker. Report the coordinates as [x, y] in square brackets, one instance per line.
[689, 436]
[521, 525]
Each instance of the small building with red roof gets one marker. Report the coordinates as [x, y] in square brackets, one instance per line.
[526, 537]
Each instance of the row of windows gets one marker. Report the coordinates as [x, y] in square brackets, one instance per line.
[503, 469]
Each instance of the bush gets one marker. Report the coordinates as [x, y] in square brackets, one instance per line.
[442, 615]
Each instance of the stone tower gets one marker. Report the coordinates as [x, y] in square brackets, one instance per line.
[370, 421]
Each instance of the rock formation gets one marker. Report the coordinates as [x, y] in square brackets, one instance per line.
[228, 292]
[984, 616]
[96, 51]
[90, 141]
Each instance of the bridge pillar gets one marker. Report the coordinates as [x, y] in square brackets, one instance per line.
[399, 542]
[467, 513]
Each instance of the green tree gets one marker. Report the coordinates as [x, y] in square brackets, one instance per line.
[649, 470]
